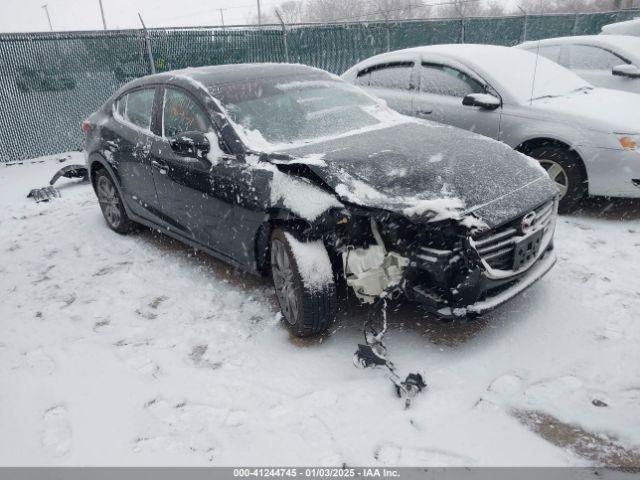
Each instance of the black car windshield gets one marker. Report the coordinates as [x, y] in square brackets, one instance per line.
[291, 111]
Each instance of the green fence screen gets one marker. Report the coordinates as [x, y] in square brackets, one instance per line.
[50, 82]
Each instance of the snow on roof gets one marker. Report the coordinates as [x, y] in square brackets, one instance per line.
[630, 27]
[625, 44]
[509, 70]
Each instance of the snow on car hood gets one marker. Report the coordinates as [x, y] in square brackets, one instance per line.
[430, 172]
[600, 109]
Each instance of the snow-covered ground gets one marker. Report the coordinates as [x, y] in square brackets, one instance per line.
[135, 350]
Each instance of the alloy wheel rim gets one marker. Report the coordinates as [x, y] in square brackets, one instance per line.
[283, 280]
[557, 174]
[109, 202]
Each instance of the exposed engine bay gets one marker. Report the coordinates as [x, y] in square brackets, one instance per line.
[372, 271]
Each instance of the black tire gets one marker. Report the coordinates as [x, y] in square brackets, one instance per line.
[566, 169]
[313, 309]
[111, 204]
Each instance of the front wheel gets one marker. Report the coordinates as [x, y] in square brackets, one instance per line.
[304, 285]
[567, 172]
[111, 204]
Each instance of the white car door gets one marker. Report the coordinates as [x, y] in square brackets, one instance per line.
[393, 82]
[439, 98]
[595, 65]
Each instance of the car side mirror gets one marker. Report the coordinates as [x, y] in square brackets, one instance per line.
[191, 144]
[629, 71]
[482, 100]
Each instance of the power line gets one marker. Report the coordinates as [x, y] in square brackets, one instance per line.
[235, 7]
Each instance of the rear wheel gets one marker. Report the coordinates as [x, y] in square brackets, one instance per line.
[307, 309]
[567, 172]
[111, 204]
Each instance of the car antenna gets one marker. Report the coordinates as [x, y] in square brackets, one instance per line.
[535, 72]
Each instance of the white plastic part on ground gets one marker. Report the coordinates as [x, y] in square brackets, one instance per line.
[134, 350]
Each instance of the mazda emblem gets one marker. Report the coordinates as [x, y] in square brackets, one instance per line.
[528, 223]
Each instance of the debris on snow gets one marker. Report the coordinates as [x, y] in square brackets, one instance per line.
[71, 171]
[374, 354]
[44, 194]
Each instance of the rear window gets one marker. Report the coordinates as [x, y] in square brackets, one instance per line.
[136, 107]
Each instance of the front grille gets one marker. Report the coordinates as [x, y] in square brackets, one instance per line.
[497, 247]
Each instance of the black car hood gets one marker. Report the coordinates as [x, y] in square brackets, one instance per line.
[429, 172]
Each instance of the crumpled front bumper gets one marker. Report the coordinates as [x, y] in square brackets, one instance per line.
[492, 292]
[503, 293]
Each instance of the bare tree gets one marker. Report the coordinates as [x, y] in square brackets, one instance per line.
[495, 8]
[397, 9]
[334, 10]
[567, 6]
[292, 11]
[460, 8]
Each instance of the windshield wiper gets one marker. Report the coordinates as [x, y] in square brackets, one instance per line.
[580, 89]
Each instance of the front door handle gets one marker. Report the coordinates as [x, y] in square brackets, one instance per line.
[161, 166]
[424, 113]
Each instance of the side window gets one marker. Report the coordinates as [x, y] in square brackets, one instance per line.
[182, 114]
[391, 75]
[363, 78]
[121, 106]
[136, 107]
[585, 57]
[442, 80]
[552, 52]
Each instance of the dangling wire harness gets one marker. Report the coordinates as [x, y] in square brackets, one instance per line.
[373, 353]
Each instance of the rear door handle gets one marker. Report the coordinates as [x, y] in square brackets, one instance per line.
[162, 167]
[422, 113]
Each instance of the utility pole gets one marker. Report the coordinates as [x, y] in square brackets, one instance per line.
[222, 15]
[526, 23]
[259, 13]
[46, 9]
[284, 35]
[104, 22]
[147, 41]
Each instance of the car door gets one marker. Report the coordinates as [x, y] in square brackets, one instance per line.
[595, 65]
[215, 201]
[183, 182]
[127, 146]
[439, 98]
[394, 82]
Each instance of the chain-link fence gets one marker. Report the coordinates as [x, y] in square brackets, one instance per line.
[50, 82]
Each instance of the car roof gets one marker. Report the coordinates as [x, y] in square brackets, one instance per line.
[464, 52]
[624, 43]
[509, 68]
[211, 76]
[629, 27]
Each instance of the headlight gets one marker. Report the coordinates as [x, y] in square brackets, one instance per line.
[628, 143]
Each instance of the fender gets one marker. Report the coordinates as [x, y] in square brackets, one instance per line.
[98, 158]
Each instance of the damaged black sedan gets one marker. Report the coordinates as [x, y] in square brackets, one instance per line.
[288, 171]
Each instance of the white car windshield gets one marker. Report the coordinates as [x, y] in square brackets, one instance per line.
[277, 111]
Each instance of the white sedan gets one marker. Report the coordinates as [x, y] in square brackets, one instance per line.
[609, 61]
[630, 27]
[587, 138]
